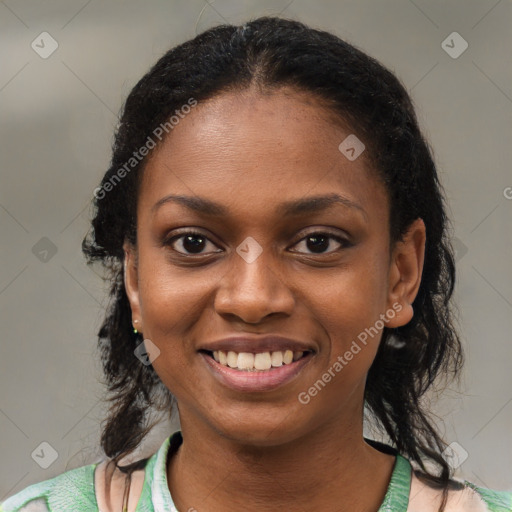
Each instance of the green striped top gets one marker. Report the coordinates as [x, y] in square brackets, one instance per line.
[74, 490]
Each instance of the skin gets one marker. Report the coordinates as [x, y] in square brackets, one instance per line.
[250, 152]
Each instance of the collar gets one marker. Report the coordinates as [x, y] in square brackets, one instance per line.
[156, 488]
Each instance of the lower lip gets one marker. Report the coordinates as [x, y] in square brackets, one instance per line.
[267, 380]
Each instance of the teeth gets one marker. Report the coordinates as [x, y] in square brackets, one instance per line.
[288, 357]
[245, 361]
[261, 361]
[232, 359]
[277, 358]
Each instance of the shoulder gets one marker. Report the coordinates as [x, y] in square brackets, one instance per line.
[99, 487]
[496, 501]
[468, 498]
[73, 486]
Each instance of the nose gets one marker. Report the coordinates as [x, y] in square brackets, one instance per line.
[253, 289]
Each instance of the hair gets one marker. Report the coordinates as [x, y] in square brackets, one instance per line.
[273, 52]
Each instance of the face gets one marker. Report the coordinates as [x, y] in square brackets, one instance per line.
[252, 265]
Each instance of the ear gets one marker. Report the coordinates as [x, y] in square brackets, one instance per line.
[405, 273]
[131, 283]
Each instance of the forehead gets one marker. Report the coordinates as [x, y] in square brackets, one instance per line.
[257, 149]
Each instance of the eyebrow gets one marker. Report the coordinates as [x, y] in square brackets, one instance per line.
[310, 204]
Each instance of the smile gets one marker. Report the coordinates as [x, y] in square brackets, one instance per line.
[262, 371]
[260, 361]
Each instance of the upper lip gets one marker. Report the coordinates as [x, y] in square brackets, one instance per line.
[269, 343]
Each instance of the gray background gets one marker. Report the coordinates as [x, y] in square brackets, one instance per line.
[57, 119]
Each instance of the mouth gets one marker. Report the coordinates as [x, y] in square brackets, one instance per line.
[261, 371]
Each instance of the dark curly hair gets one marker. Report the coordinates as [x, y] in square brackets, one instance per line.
[272, 52]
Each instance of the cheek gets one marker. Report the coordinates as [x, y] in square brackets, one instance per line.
[348, 308]
[170, 296]
[172, 301]
[350, 300]
[346, 312]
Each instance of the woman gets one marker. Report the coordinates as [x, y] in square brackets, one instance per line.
[276, 239]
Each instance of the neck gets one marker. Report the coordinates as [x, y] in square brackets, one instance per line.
[213, 473]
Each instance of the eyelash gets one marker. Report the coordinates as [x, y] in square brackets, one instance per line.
[342, 241]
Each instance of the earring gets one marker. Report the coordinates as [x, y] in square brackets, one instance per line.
[394, 342]
[135, 328]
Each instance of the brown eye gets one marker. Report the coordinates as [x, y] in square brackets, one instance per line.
[320, 242]
[190, 242]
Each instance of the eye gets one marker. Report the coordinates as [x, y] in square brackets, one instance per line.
[195, 243]
[319, 241]
[189, 242]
